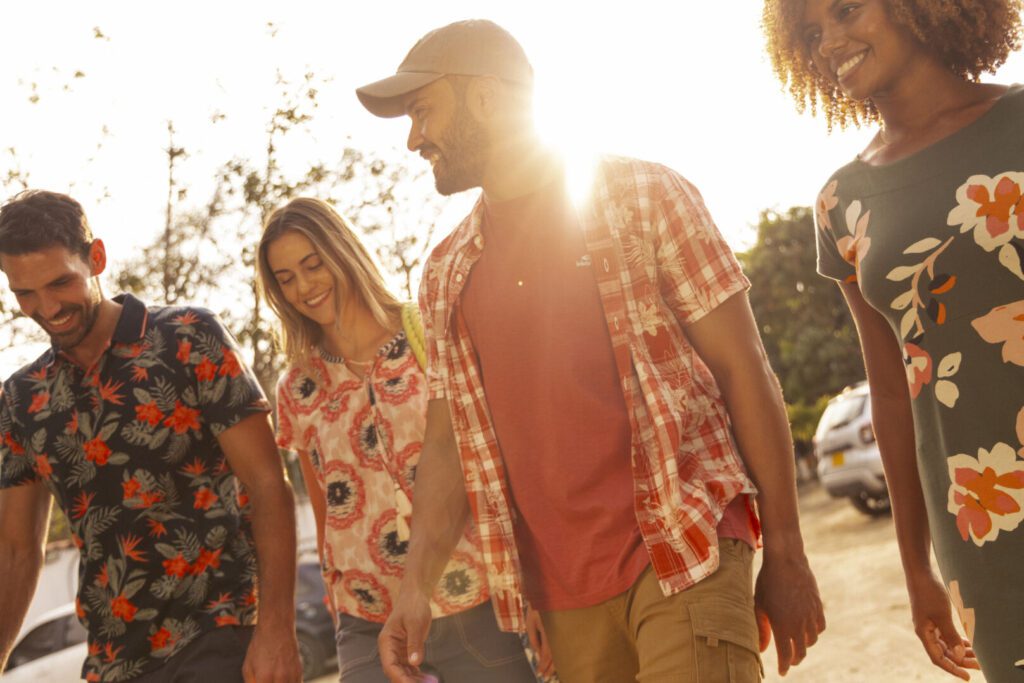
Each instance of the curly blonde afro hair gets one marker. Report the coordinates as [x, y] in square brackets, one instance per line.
[970, 36]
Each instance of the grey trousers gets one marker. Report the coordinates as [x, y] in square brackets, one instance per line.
[466, 647]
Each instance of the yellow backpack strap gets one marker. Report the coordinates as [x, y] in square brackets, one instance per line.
[413, 326]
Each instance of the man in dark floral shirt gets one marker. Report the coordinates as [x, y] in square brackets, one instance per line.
[153, 437]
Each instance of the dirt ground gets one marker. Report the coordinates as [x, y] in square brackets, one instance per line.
[869, 638]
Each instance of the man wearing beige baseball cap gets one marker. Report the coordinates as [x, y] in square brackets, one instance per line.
[600, 402]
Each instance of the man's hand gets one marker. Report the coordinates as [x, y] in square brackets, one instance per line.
[787, 604]
[273, 657]
[933, 623]
[401, 640]
[539, 642]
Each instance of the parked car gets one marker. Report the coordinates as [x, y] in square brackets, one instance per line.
[849, 463]
[53, 648]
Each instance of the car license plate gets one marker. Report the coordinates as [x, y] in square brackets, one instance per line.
[837, 459]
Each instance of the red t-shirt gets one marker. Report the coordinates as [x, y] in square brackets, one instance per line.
[533, 310]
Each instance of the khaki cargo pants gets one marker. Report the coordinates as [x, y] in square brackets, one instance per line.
[705, 634]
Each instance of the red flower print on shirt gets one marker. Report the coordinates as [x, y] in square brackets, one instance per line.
[187, 318]
[108, 392]
[207, 558]
[206, 371]
[72, 425]
[230, 366]
[43, 466]
[131, 488]
[148, 412]
[111, 652]
[226, 620]
[149, 499]
[39, 401]
[97, 451]
[122, 608]
[129, 544]
[204, 498]
[177, 566]
[156, 528]
[160, 639]
[183, 418]
[81, 506]
[184, 351]
[16, 448]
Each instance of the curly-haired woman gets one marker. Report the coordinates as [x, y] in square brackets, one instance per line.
[924, 231]
[352, 403]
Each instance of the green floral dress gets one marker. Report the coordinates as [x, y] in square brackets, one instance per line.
[936, 243]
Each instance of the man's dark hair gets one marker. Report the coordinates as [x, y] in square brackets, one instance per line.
[34, 220]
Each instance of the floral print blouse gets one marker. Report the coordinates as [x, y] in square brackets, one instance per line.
[364, 437]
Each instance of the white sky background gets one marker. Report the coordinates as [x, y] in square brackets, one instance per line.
[680, 82]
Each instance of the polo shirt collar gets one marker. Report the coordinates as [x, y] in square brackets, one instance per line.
[131, 326]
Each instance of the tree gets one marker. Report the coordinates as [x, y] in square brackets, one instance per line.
[806, 327]
[207, 253]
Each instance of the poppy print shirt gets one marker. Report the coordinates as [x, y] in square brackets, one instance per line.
[660, 263]
[364, 436]
[129, 450]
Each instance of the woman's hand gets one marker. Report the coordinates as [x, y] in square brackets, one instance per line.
[933, 623]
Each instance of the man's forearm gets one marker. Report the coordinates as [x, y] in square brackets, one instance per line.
[20, 569]
[761, 428]
[439, 517]
[273, 529]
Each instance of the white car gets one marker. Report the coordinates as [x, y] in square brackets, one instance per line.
[849, 464]
[53, 650]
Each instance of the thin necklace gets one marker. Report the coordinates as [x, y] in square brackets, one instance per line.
[331, 358]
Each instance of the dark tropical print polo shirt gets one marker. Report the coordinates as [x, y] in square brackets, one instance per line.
[129, 450]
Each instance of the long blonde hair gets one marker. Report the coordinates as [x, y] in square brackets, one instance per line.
[344, 256]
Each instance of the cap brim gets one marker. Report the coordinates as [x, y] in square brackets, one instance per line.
[384, 97]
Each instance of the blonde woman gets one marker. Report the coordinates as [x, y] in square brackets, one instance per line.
[352, 403]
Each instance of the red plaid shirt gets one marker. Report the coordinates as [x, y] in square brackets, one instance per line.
[660, 263]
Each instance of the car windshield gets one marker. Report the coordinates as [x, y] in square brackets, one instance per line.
[841, 411]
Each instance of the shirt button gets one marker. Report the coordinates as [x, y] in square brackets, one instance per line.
[479, 241]
[458, 277]
[615, 321]
[606, 266]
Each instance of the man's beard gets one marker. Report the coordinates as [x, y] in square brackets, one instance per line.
[87, 316]
[463, 150]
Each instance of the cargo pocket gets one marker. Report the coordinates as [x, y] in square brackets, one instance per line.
[725, 642]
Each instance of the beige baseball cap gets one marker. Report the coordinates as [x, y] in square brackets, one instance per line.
[475, 47]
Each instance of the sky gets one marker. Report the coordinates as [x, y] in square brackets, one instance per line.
[686, 84]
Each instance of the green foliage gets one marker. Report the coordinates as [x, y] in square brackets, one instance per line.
[806, 327]
[803, 419]
[206, 253]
